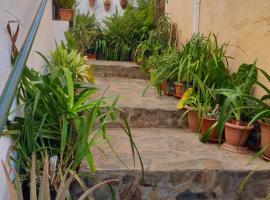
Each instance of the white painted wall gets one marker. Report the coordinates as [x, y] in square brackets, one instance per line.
[49, 31]
[99, 10]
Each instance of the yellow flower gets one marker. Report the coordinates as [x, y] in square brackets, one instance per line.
[184, 98]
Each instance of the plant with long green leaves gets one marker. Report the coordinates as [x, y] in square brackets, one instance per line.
[66, 4]
[63, 119]
[85, 31]
[236, 106]
[122, 34]
[203, 56]
[44, 192]
[202, 101]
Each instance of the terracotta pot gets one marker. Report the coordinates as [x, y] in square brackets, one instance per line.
[92, 3]
[208, 123]
[193, 121]
[178, 90]
[92, 56]
[163, 87]
[65, 14]
[107, 6]
[265, 139]
[237, 135]
[123, 4]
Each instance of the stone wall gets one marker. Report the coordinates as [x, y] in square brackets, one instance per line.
[179, 185]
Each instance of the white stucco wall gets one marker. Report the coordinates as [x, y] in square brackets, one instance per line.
[49, 31]
[99, 10]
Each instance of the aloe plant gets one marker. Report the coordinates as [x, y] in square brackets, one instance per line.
[236, 106]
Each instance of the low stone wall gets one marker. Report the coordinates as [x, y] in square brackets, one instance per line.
[182, 185]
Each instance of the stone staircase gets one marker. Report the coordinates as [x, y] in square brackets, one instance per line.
[177, 166]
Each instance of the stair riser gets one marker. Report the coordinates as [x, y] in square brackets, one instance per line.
[144, 118]
[186, 184]
[118, 71]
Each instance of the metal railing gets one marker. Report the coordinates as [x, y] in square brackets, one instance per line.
[13, 81]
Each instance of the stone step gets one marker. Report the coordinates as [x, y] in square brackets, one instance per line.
[141, 111]
[177, 167]
[116, 68]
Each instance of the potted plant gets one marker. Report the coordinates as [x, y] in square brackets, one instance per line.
[191, 103]
[91, 3]
[262, 115]
[123, 3]
[60, 116]
[85, 34]
[107, 4]
[236, 110]
[66, 9]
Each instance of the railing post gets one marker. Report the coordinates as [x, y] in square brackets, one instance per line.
[13, 81]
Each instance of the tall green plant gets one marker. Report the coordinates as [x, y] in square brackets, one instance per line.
[62, 118]
[85, 32]
[66, 4]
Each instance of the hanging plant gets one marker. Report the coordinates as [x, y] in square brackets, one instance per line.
[107, 4]
[123, 4]
[92, 3]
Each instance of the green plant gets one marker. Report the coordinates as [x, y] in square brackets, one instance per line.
[235, 106]
[203, 56]
[44, 191]
[61, 118]
[66, 57]
[122, 34]
[85, 32]
[66, 4]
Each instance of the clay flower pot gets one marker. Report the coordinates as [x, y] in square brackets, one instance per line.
[236, 137]
[107, 6]
[92, 3]
[265, 139]
[163, 87]
[123, 4]
[65, 14]
[193, 121]
[92, 56]
[208, 123]
[178, 90]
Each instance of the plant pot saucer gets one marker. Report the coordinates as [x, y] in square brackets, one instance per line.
[177, 96]
[266, 158]
[231, 148]
[213, 140]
